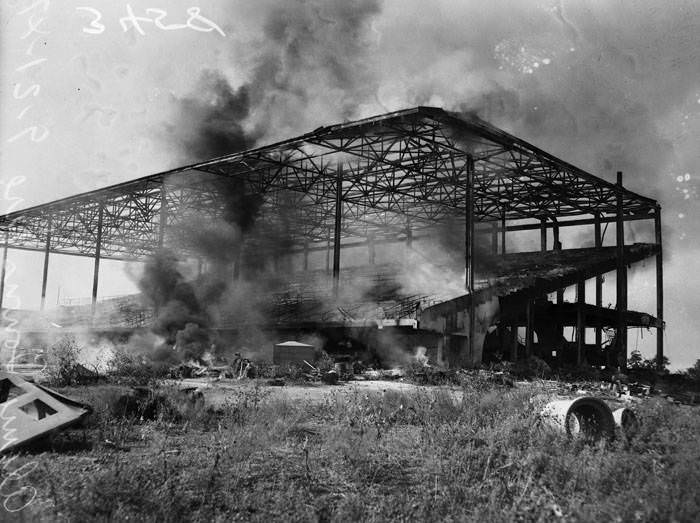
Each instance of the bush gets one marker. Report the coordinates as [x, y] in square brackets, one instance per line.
[62, 361]
[324, 362]
[636, 362]
[694, 372]
[135, 369]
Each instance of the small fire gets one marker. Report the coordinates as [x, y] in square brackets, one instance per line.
[421, 356]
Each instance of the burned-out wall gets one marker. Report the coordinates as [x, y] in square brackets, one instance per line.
[451, 320]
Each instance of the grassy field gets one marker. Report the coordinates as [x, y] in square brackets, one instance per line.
[423, 455]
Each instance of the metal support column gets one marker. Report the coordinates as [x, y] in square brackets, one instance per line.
[659, 291]
[580, 320]
[598, 287]
[337, 227]
[557, 247]
[163, 215]
[503, 233]
[494, 238]
[514, 341]
[543, 235]
[371, 250]
[98, 253]
[45, 275]
[306, 255]
[530, 326]
[621, 273]
[4, 268]
[469, 248]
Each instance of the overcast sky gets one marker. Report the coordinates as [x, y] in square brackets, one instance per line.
[87, 100]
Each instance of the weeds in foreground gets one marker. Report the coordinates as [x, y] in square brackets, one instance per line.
[476, 454]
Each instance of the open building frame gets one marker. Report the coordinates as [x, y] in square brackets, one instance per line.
[385, 179]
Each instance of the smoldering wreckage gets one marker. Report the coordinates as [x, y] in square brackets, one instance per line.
[354, 251]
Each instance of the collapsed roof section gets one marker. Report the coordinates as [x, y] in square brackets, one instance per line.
[393, 175]
[527, 275]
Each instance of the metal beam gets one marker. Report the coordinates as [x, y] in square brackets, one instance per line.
[621, 274]
[543, 234]
[469, 247]
[337, 226]
[4, 270]
[598, 284]
[577, 222]
[580, 321]
[530, 326]
[659, 291]
[45, 274]
[557, 247]
[503, 233]
[163, 215]
[494, 238]
[98, 248]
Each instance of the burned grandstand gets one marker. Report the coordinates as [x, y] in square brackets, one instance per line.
[377, 235]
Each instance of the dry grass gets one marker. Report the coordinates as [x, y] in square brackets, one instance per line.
[420, 456]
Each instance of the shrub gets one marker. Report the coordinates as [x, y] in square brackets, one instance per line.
[324, 362]
[135, 369]
[694, 372]
[62, 361]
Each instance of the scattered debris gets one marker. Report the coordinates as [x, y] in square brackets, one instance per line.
[32, 411]
[330, 377]
[292, 352]
[116, 446]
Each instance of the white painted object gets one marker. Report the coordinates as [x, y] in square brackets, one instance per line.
[585, 417]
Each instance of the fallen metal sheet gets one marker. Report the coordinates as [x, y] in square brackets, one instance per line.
[29, 411]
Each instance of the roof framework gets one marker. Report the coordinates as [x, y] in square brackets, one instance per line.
[392, 173]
